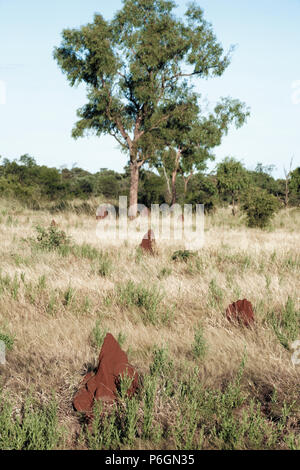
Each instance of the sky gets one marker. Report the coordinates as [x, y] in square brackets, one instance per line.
[38, 106]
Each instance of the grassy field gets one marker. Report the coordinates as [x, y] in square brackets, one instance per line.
[206, 383]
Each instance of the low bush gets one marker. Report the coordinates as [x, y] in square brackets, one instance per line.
[35, 427]
[259, 207]
[50, 238]
[183, 255]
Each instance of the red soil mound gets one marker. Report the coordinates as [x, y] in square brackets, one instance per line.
[148, 242]
[240, 312]
[102, 385]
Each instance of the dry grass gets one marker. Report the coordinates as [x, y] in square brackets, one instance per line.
[52, 302]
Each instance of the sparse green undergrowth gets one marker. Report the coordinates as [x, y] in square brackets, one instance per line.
[286, 323]
[197, 417]
[199, 346]
[34, 427]
[148, 300]
[49, 238]
[58, 300]
[183, 255]
[8, 340]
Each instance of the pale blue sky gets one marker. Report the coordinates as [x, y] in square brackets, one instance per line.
[40, 107]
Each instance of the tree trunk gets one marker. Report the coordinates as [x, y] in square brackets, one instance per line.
[233, 207]
[286, 196]
[174, 174]
[186, 182]
[287, 181]
[134, 187]
[168, 186]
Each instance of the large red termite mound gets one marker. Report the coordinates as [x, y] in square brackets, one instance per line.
[241, 312]
[102, 385]
[148, 242]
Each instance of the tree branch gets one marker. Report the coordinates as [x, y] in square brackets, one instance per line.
[116, 120]
[118, 140]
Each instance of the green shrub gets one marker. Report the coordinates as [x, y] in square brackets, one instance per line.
[121, 338]
[259, 207]
[199, 346]
[216, 294]
[104, 432]
[183, 255]
[147, 299]
[164, 272]
[98, 335]
[85, 251]
[69, 296]
[50, 238]
[286, 325]
[161, 364]
[149, 394]
[35, 428]
[10, 285]
[104, 265]
[8, 340]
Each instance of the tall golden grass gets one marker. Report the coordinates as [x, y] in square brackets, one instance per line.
[52, 329]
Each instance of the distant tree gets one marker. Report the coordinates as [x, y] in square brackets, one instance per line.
[190, 139]
[262, 178]
[295, 185]
[287, 174]
[232, 179]
[29, 182]
[133, 67]
[152, 189]
[267, 169]
[27, 160]
[203, 190]
[51, 183]
[109, 183]
[259, 207]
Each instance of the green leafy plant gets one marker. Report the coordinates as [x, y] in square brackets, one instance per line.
[183, 255]
[216, 294]
[164, 272]
[259, 207]
[232, 179]
[50, 238]
[35, 428]
[104, 265]
[98, 335]
[121, 338]
[286, 324]
[69, 296]
[199, 346]
[147, 299]
[149, 394]
[161, 364]
[8, 340]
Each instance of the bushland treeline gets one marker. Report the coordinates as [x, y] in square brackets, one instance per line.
[32, 184]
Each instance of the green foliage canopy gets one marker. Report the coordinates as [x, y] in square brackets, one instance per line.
[232, 178]
[259, 207]
[133, 67]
